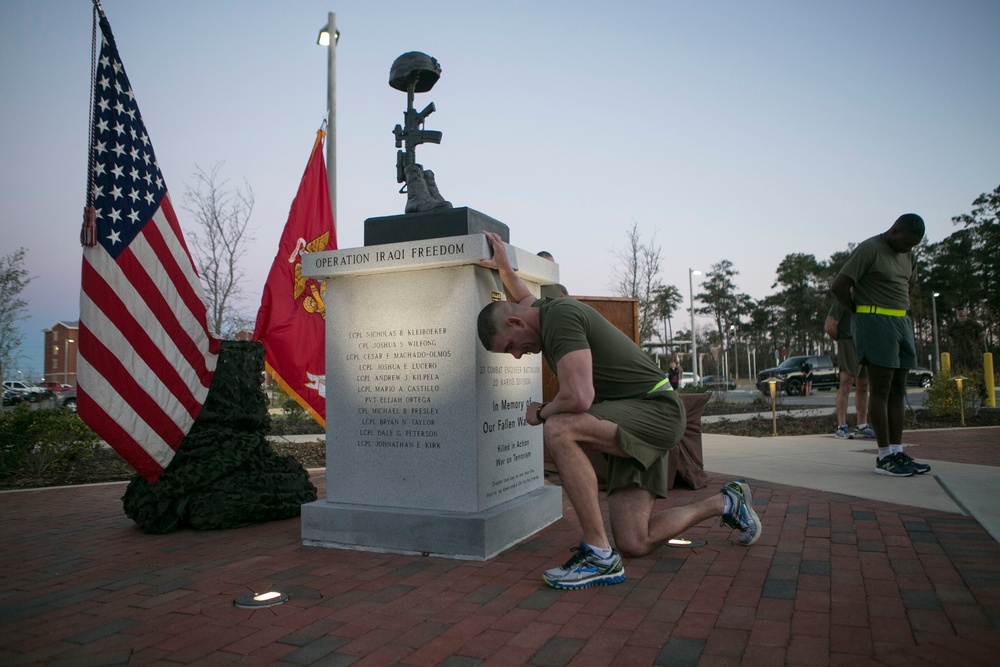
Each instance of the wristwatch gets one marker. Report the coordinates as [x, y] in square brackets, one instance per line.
[538, 413]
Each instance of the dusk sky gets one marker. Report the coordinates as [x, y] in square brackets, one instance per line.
[731, 130]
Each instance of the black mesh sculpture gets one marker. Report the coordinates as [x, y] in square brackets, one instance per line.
[225, 474]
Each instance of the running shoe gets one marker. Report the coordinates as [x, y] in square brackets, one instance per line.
[844, 433]
[919, 468]
[896, 465]
[586, 568]
[865, 432]
[741, 516]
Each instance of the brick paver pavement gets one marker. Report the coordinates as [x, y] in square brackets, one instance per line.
[834, 579]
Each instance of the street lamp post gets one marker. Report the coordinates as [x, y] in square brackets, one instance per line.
[736, 351]
[328, 37]
[69, 341]
[694, 338]
[937, 349]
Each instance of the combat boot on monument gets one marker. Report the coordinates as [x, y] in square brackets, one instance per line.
[432, 188]
[418, 199]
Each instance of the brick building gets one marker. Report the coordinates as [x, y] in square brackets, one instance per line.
[60, 353]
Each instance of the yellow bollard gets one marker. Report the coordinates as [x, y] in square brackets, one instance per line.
[774, 407]
[961, 399]
[945, 363]
[991, 390]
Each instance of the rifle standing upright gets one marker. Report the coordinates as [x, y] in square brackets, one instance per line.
[416, 72]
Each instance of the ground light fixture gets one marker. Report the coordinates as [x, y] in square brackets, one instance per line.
[772, 387]
[261, 600]
[685, 543]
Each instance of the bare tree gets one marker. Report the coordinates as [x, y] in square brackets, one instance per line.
[637, 275]
[13, 279]
[223, 215]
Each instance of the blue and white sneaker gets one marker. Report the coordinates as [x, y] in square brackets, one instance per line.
[844, 433]
[741, 516]
[865, 431]
[586, 568]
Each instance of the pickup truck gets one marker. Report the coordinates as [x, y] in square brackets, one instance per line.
[788, 375]
[29, 391]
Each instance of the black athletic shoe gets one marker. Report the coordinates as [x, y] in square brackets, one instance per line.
[894, 465]
[919, 468]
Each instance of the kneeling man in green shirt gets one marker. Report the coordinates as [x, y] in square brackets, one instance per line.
[614, 412]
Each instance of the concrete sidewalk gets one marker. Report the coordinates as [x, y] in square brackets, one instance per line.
[851, 567]
[826, 463]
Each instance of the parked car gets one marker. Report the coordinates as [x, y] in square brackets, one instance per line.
[55, 387]
[67, 399]
[34, 394]
[688, 379]
[13, 396]
[825, 375]
[919, 377]
[717, 382]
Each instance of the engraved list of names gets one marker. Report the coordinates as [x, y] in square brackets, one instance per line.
[398, 379]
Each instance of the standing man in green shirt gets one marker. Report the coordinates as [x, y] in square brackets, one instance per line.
[616, 414]
[875, 285]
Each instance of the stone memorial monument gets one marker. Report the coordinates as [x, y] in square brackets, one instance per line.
[427, 447]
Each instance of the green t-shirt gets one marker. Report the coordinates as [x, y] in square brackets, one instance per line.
[881, 276]
[621, 370]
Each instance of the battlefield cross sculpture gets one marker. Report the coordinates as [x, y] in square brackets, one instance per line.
[416, 72]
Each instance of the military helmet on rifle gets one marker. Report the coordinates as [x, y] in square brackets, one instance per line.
[414, 68]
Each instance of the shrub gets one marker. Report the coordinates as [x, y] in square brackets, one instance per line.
[35, 442]
[942, 395]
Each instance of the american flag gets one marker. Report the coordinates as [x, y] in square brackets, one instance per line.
[146, 357]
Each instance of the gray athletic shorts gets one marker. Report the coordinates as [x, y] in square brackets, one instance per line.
[847, 358]
[648, 428]
[884, 340]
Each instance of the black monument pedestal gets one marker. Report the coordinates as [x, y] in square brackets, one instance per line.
[431, 225]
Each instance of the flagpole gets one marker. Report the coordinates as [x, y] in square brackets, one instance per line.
[331, 135]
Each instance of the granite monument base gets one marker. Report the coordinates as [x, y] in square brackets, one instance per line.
[463, 535]
[440, 223]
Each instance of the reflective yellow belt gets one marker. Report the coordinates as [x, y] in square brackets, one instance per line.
[879, 310]
[659, 386]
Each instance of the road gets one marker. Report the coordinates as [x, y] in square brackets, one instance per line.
[817, 399]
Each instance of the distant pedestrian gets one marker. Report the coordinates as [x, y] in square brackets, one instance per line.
[875, 285]
[554, 290]
[674, 374]
[967, 342]
[807, 376]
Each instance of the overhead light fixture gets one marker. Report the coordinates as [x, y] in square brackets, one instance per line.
[261, 600]
[324, 36]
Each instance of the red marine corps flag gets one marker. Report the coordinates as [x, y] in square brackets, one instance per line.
[292, 315]
[146, 358]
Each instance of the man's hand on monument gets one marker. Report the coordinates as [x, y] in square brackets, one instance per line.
[499, 261]
[518, 291]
